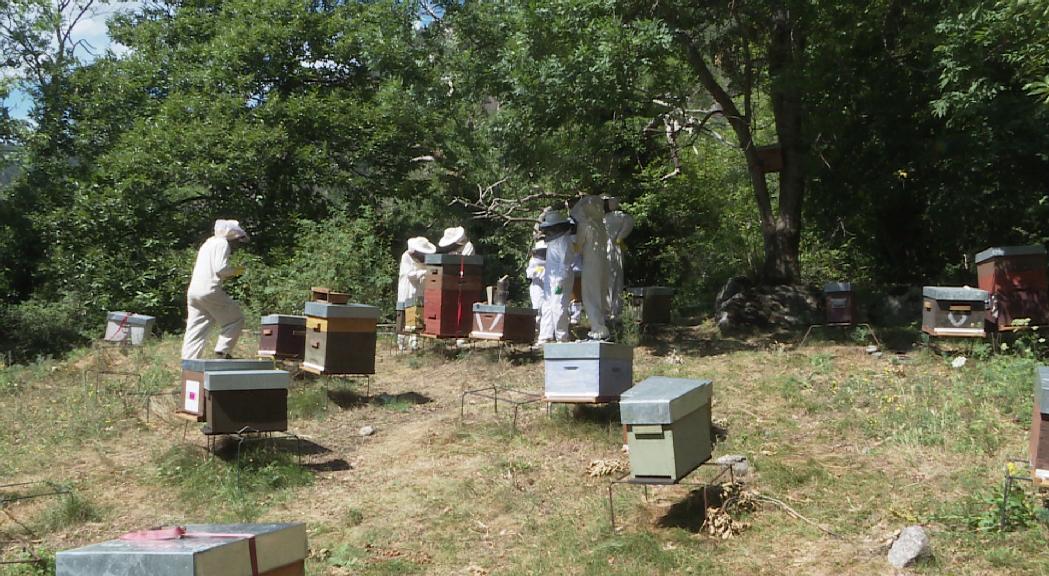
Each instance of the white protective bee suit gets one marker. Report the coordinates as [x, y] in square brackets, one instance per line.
[206, 301]
[410, 277]
[535, 272]
[619, 224]
[557, 277]
[592, 239]
[456, 238]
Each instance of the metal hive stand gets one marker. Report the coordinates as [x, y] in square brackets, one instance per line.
[652, 481]
[516, 398]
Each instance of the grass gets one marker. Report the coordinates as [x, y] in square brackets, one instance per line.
[859, 445]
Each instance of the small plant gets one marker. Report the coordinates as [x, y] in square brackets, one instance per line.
[72, 509]
[311, 403]
[984, 513]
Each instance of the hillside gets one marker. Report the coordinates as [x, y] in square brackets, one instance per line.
[861, 446]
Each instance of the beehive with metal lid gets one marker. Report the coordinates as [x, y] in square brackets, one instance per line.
[282, 336]
[587, 371]
[194, 401]
[128, 328]
[653, 303]
[667, 423]
[1018, 281]
[246, 400]
[501, 322]
[839, 303]
[954, 311]
[340, 338]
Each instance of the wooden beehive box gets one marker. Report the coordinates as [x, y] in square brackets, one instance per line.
[283, 336]
[249, 400]
[128, 328]
[410, 316]
[667, 423]
[453, 286]
[340, 338]
[194, 401]
[954, 312]
[839, 303]
[1018, 282]
[653, 303]
[204, 550]
[500, 322]
[580, 372]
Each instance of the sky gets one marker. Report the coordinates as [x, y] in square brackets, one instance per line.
[91, 29]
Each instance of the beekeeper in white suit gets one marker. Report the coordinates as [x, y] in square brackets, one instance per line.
[410, 279]
[557, 277]
[207, 302]
[619, 224]
[592, 239]
[455, 241]
[535, 272]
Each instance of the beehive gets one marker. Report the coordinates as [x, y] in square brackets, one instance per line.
[1018, 282]
[204, 550]
[653, 303]
[499, 322]
[667, 422]
[340, 338]
[283, 336]
[839, 302]
[954, 312]
[587, 371]
[128, 328]
[194, 401]
[246, 400]
[452, 287]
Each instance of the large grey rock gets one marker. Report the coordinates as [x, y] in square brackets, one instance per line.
[910, 545]
[767, 308]
[366, 431]
[739, 463]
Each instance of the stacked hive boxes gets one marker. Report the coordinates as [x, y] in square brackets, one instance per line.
[198, 550]
[453, 286]
[500, 322]
[1039, 448]
[283, 336]
[194, 375]
[958, 312]
[587, 371]
[1017, 280]
[128, 328]
[667, 423]
[653, 303]
[239, 401]
[840, 303]
[340, 338]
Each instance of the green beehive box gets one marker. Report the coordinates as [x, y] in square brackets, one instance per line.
[667, 422]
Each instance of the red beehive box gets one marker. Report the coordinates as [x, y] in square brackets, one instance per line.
[1018, 282]
[840, 303]
[453, 286]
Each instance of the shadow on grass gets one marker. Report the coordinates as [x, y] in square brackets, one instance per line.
[665, 339]
[226, 447]
[334, 465]
[690, 513]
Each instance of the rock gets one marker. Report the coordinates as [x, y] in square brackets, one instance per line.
[731, 288]
[740, 464]
[910, 545]
[766, 307]
[366, 430]
[958, 362]
[872, 349]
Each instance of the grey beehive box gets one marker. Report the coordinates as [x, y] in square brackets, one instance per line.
[256, 400]
[280, 549]
[324, 310]
[193, 400]
[128, 328]
[667, 422]
[587, 371]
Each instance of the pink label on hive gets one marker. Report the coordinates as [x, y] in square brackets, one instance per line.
[192, 395]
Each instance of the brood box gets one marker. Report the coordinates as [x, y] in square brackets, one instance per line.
[253, 400]
[587, 371]
[653, 303]
[839, 302]
[283, 336]
[194, 401]
[128, 328]
[410, 316]
[499, 322]
[667, 421]
[453, 286]
[954, 312]
[205, 550]
[340, 338]
[1018, 282]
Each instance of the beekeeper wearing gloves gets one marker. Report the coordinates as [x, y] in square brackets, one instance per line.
[410, 279]
[535, 272]
[455, 241]
[592, 239]
[557, 277]
[619, 224]
[207, 302]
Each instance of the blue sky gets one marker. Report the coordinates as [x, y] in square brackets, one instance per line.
[91, 29]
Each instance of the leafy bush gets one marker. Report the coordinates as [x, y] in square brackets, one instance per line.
[38, 327]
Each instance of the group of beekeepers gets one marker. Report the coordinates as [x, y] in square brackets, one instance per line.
[589, 240]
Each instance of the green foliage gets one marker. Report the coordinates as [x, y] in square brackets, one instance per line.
[69, 510]
[983, 512]
[39, 328]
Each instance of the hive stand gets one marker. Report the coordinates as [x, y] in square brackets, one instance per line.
[842, 326]
[1007, 486]
[646, 482]
[248, 434]
[514, 397]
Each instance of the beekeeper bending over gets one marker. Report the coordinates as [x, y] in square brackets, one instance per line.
[592, 239]
[557, 277]
[207, 302]
[619, 225]
[455, 241]
[410, 279]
